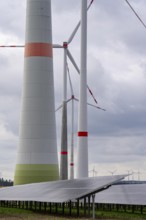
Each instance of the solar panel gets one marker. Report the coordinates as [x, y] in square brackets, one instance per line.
[58, 191]
[130, 194]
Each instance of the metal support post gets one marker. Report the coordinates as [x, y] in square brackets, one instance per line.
[85, 206]
[88, 206]
[78, 213]
[93, 206]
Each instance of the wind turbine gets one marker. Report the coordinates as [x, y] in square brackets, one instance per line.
[112, 171]
[130, 172]
[82, 142]
[64, 152]
[72, 99]
[138, 173]
[93, 171]
[64, 147]
[72, 128]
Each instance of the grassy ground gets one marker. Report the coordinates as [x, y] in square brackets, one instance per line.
[20, 214]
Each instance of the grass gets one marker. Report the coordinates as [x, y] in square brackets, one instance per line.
[119, 215]
[21, 214]
[13, 213]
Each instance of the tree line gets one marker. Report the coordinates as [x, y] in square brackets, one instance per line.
[5, 182]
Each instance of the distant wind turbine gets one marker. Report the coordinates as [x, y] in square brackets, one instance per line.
[112, 171]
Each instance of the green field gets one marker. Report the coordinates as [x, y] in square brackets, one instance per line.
[21, 214]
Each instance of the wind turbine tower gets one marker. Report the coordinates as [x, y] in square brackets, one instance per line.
[37, 153]
[82, 157]
[64, 147]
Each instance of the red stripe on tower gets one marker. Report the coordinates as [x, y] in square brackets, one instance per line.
[38, 49]
[82, 134]
[64, 152]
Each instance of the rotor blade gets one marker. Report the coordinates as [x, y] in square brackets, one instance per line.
[90, 104]
[76, 99]
[58, 108]
[70, 82]
[90, 4]
[96, 107]
[92, 94]
[90, 171]
[77, 27]
[11, 46]
[57, 46]
[73, 61]
[74, 32]
[69, 100]
[20, 46]
[135, 13]
[62, 105]
[77, 69]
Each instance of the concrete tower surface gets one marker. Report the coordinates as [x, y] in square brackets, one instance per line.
[64, 147]
[37, 153]
[82, 156]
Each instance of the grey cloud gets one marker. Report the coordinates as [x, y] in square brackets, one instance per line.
[12, 19]
[117, 150]
[115, 45]
[63, 7]
[115, 23]
[126, 123]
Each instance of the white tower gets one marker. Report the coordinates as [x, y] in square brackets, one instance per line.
[64, 144]
[37, 154]
[82, 157]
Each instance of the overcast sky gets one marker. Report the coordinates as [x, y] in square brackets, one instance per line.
[116, 76]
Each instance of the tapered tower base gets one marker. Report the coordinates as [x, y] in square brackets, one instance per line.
[37, 159]
[25, 174]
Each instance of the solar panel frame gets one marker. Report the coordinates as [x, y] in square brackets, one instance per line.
[124, 194]
[59, 191]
